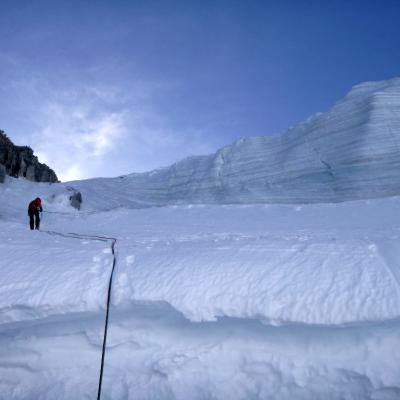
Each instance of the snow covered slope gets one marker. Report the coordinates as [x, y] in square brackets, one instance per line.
[350, 152]
[209, 301]
[212, 301]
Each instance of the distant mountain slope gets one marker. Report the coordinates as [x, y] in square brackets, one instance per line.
[350, 152]
[19, 161]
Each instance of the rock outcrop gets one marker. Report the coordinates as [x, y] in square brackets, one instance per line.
[2, 173]
[75, 198]
[19, 161]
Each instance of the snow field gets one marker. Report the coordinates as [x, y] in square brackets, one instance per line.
[48, 275]
[209, 302]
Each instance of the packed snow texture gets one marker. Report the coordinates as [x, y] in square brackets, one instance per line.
[350, 152]
[209, 301]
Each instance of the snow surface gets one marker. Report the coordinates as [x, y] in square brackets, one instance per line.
[209, 301]
[291, 300]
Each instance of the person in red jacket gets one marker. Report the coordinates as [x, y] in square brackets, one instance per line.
[35, 206]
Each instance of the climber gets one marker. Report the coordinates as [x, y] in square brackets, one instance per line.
[33, 211]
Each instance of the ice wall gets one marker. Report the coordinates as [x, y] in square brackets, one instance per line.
[350, 152]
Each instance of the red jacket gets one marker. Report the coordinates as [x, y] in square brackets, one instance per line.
[35, 206]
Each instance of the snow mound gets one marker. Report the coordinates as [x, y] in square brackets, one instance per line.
[209, 262]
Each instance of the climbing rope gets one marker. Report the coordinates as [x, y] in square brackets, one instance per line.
[113, 243]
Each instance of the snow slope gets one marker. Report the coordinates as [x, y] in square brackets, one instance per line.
[295, 298]
[350, 152]
[209, 301]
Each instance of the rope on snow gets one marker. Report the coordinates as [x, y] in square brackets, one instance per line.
[113, 244]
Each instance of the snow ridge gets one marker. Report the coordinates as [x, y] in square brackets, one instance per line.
[350, 152]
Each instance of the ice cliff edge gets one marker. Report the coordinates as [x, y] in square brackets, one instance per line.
[350, 152]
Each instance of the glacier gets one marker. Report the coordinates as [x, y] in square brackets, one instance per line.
[350, 152]
[269, 270]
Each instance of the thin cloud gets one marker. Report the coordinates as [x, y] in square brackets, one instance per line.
[98, 129]
[103, 135]
[72, 138]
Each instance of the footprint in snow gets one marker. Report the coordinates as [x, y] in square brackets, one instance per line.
[130, 259]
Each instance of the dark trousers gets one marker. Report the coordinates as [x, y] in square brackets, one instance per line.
[34, 220]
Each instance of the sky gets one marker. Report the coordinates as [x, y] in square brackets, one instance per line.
[106, 88]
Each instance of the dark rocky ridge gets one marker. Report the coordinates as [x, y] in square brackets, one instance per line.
[19, 161]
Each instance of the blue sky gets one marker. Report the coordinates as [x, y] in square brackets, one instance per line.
[103, 88]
